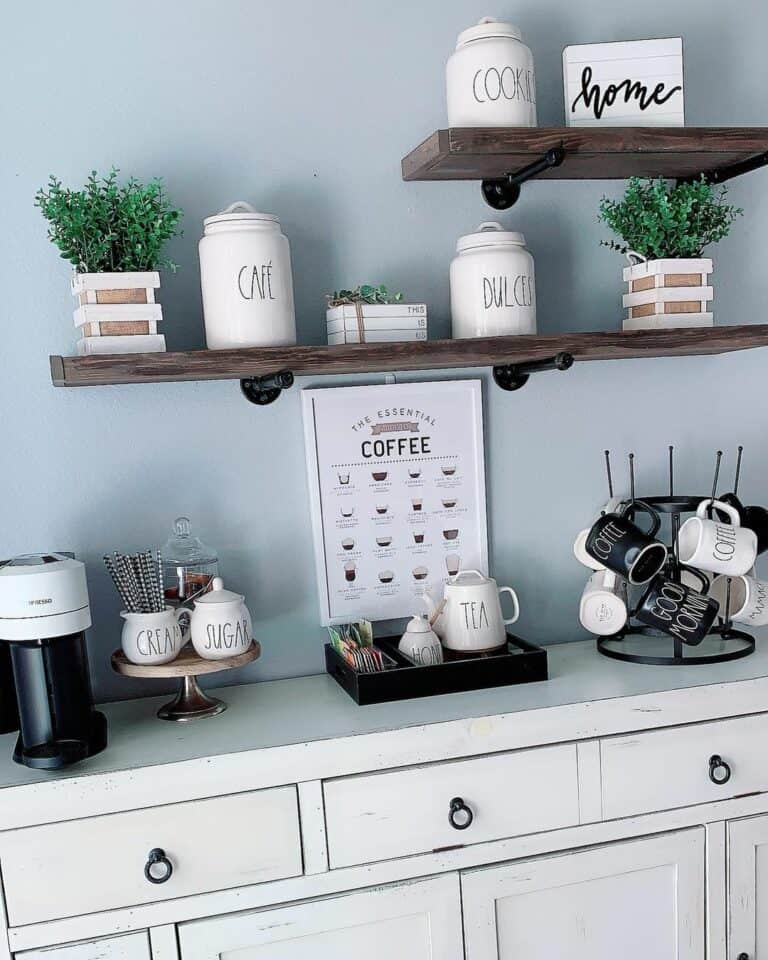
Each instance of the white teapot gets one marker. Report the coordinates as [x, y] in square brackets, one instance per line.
[220, 623]
[471, 620]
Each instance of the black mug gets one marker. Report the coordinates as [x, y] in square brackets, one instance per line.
[621, 546]
[677, 609]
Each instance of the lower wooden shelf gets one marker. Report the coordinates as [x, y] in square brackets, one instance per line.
[382, 357]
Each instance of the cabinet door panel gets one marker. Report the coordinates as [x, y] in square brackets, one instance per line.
[748, 887]
[131, 946]
[409, 921]
[636, 900]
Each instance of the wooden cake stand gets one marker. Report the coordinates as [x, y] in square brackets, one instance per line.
[190, 702]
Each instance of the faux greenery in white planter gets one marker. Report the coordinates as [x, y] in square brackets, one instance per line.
[113, 234]
[665, 230]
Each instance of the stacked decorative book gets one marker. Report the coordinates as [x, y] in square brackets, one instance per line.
[668, 293]
[376, 322]
[117, 313]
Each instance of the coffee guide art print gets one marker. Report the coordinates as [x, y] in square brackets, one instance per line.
[397, 491]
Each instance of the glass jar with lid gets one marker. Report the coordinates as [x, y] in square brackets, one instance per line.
[189, 566]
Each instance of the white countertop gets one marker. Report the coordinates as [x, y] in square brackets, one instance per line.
[308, 710]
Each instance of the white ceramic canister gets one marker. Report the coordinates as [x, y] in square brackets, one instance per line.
[420, 643]
[245, 273]
[490, 78]
[493, 288]
[220, 624]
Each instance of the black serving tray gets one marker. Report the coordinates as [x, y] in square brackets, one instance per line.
[519, 662]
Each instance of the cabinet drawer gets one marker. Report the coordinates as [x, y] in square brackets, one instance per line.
[670, 768]
[83, 866]
[402, 812]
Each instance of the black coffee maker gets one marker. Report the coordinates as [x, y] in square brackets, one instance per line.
[44, 613]
[9, 708]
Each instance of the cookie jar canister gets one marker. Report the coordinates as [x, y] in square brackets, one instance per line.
[247, 285]
[490, 79]
[493, 289]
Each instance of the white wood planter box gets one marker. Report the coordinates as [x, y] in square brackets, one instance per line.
[115, 287]
[117, 313]
[376, 322]
[88, 346]
[668, 293]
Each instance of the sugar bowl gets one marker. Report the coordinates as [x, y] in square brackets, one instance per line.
[220, 623]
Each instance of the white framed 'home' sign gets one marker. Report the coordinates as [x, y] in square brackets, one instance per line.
[636, 83]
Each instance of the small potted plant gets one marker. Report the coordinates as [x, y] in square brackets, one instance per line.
[371, 314]
[113, 235]
[665, 230]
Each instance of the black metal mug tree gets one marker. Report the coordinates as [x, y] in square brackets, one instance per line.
[729, 643]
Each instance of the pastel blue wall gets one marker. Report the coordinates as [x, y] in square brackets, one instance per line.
[305, 109]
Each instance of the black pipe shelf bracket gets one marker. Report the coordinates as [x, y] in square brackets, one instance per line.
[265, 390]
[737, 169]
[513, 376]
[504, 192]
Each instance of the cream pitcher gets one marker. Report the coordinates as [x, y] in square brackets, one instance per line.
[220, 623]
[471, 620]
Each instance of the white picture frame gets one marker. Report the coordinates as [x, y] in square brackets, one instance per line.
[427, 439]
[637, 83]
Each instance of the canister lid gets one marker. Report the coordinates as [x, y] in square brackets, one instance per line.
[240, 211]
[489, 234]
[182, 548]
[219, 595]
[489, 28]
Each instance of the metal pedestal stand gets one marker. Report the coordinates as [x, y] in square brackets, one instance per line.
[190, 703]
[637, 643]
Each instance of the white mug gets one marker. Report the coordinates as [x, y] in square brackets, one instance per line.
[580, 552]
[603, 606]
[722, 548]
[153, 638]
[748, 602]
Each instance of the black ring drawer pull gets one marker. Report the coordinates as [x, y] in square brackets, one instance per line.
[465, 815]
[716, 763]
[157, 857]
[743, 956]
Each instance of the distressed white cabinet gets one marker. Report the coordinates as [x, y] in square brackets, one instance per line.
[637, 900]
[748, 888]
[594, 824]
[409, 921]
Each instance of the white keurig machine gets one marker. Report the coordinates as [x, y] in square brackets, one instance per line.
[44, 613]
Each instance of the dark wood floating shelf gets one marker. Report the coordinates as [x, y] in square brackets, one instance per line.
[599, 153]
[382, 357]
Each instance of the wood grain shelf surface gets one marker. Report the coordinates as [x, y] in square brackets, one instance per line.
[599, 153]
[382, 357]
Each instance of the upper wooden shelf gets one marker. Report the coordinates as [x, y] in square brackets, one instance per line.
[599, 153]
[383, 357]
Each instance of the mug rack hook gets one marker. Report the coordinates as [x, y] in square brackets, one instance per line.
[265, 390]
